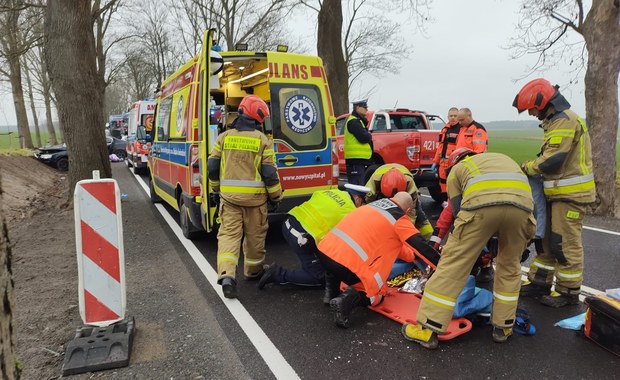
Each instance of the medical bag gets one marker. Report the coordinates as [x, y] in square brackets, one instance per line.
[603, 322]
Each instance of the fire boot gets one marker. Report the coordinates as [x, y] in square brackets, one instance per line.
[332, 288]
[269, 276]
[343, 305]
[229, 287]
[501, 334]
[529, 289]
[556, 299]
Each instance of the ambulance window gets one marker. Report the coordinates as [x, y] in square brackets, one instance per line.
[297, 116]
[163, 119]
[340, 123]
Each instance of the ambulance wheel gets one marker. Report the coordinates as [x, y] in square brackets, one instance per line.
[154, 197]
[435, 193]
[189, 231]
[121, 154]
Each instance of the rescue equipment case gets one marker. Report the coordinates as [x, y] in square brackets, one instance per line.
[603, 322]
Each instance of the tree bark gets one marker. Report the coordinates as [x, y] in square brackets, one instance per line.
[602, 35]
[33, 108]
[8, 370]
[329, 47]
[45, 89]
[72, 66]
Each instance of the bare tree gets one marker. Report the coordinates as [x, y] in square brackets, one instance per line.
[8, 368]
[38, 70]
[72, 65]
[546, 26]
[16, 38]
[33, 106]
[138, 75]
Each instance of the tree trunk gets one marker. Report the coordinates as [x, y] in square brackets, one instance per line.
[329, 47]
[8, 369]
[33, 108]
[601, 32]
[45, 85]
[71, 61]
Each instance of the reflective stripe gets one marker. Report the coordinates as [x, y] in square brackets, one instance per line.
[435, 239]
[254, 261]
[372, 300]
[437, 298]
[221, 257]
[274, 188]
[301, 239]
[498, 184]
[242, 183]
[537, 263]
[560, 132]
[497, 176]
[378, 279]
[426, 229]
[384, 213]
[242, 190]
[250, 144]
[570, 189]
[479, 142]
[506, 297]
[351, 243]
[569, 181]
[573, 275]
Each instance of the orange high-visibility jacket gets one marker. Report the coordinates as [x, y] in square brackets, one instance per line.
[447, 144]
[369, 239]
[474, 137]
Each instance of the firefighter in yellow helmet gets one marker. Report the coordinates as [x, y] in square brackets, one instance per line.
[242, 169]
[489, 195]
[565, 163]
[389, 179]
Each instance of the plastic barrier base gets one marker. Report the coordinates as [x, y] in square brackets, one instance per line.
[402, 307]
[98, 348]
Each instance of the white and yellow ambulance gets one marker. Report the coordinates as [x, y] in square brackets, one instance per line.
[201, 99]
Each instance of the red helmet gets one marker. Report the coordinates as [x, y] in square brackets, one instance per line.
[254, 107]
[392, 182]
[458, 154]
[535, 94]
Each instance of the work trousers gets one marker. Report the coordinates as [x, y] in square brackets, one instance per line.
[472, 230]
[237, 222]
[344, 274]
[311, 272]
[355, 174]
[443, 175]
[563, 251]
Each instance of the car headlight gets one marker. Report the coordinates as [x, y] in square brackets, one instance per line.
[45, 156]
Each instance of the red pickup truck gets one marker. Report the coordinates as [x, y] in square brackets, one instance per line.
[401, 136]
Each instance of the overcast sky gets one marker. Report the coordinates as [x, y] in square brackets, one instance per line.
[459, 61]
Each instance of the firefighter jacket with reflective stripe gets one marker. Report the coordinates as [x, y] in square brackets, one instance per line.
[488, 179]
[447, 143]
[353, 147]
[474, 137]
[242, 168]
[370, 238]
[323, 211]
[565, 159]
[417, 214]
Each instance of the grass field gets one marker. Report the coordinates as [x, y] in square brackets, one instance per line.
[9, 142]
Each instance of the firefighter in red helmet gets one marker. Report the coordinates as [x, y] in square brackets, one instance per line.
[565, 163]
[242, 169]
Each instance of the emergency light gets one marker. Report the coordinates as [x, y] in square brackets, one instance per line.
[240, 46]
[282, 48]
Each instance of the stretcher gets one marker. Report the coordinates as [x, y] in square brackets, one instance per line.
[402, 307]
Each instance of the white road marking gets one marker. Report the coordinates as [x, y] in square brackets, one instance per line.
[265, 347]
[584, 227]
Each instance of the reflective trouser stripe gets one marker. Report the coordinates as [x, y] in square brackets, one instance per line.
[568, 181]
[569, 275]
[231, 257]
[507, 298]
[538, 264]
[439, 300]
[351, 243]
[250, 262]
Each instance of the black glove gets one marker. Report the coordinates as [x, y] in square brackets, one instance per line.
[272, 205]
[525, 255]
[215, 199]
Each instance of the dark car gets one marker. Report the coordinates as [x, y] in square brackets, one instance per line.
[55, 156]
[117, 146]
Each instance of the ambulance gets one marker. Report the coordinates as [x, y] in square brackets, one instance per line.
[139, 134]
[201, 100]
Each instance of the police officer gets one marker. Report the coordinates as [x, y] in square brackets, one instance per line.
[242, 169]
[306, 225]
[489, 195]
[565, 163]
[389, 179]
[361, 250]
[447, 144]
[357, 143]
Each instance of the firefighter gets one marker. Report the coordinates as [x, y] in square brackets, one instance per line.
[472, 134]
[242, 169]
[357, 143]
[304, 228]
[489, 195]
[360, 251]
[447, 144]
[565, 163]
[389, 179]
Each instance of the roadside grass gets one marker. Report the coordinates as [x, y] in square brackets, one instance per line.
[15, 152]
[11, 141]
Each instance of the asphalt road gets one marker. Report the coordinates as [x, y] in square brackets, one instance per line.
[300, 335]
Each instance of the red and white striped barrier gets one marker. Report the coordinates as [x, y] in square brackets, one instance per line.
[100, 254]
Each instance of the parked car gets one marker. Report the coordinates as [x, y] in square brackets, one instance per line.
[55, 156]
[117, 146]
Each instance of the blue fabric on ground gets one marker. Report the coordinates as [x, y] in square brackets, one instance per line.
[573, 323]
[472, 299]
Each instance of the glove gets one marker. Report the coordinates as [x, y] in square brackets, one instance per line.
[528, 168]
[525, 255]
[215, 199]
[272, 205]
[434, 167]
